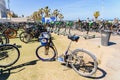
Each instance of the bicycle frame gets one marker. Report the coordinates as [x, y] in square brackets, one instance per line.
[68, 48]
[50, 43]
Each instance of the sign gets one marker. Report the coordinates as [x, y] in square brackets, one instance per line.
[48, 19]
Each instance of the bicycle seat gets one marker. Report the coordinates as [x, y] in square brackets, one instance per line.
[73, 37]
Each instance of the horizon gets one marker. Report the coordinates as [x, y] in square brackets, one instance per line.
[72, 10]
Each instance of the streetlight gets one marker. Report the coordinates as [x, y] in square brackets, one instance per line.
[9, 8]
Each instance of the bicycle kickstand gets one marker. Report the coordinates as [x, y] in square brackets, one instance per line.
[66, 66]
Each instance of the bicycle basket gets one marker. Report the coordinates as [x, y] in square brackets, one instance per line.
[43, 41]
[44, 38]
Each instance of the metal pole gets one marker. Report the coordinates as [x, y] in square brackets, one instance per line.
[102, 9]
[9, 8]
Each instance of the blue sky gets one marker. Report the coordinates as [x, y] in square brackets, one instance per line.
[71, 9]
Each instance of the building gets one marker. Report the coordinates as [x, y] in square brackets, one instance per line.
[2, 9]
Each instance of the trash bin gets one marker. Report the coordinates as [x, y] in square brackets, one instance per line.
[105, 36]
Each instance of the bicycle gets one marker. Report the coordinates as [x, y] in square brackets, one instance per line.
[4, 39]
[82, 61]
[31, 32]
[9, 55]
[8, 30]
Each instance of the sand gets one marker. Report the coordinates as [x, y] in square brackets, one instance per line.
[29, 67]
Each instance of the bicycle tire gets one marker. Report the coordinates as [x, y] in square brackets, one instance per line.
[45, 59]
[92, 65]
[25, 37]
[3, 39]
[9, 55]
[8, 32]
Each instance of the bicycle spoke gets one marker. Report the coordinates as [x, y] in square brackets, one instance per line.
[9, 54]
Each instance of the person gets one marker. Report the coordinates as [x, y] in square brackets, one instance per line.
[115, 23]
[78, 24]
[79, 21]
[118, 29]
[88, 20]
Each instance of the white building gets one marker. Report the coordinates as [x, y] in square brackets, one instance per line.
[2, 9]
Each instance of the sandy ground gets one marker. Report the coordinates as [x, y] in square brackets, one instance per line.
[29, 67]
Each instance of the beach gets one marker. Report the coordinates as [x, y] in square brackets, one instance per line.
[29, 67]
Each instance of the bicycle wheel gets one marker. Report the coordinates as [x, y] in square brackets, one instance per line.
[45, 53]
[9, 55]
[25, 37]
[3, 39]
[84, 62]
[10, 33]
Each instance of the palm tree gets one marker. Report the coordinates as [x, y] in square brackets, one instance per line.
[9, 14]
[60, 16]
[47, 11]
[96, 15]
[35, 15]
[55, 13]
[41, 12]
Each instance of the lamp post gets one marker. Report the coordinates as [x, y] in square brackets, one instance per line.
[9, 12]
[102, 9]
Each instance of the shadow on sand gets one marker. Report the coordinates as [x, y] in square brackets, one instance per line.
[111, 43]
[99, 76]
[101, 72]
[5, 73]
